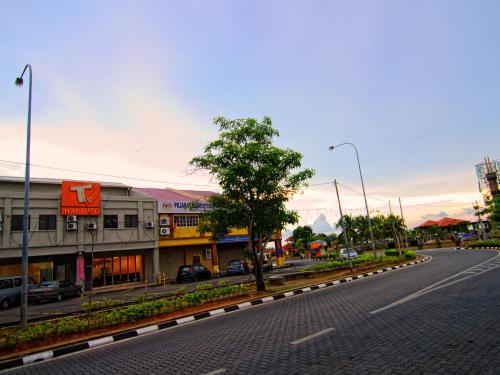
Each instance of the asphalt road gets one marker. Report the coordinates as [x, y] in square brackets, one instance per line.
[436, 317]
[74, 304]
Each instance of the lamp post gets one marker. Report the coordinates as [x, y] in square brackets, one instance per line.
[364, 194]
[24, 264]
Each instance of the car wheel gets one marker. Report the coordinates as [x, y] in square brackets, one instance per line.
[5, 303]
[59, 297]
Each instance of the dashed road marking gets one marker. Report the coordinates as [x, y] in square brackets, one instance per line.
[215, 372]
[314, 335]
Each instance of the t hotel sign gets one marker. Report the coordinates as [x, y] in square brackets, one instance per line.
[81, 198]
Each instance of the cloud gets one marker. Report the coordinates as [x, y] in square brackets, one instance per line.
[438, 215]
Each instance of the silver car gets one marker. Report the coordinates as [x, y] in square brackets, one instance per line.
[10, 290]
[352, 253]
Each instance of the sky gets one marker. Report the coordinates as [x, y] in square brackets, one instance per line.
[130, 88]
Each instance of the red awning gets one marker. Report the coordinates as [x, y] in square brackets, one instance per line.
[444, 222]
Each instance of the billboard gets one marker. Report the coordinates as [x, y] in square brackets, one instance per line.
[80, 198]
[174, 207]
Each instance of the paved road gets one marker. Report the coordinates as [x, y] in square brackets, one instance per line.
[72, 305]
[437, 323]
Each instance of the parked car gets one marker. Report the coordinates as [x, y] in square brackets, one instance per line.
[54, 290]
[267, 264]
[352, 253]
[192, 273]
[237, 267]
[10, 290]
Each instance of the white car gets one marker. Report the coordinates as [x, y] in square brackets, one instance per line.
[352, 253]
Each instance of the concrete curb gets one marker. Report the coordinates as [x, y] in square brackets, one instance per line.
[478, 248]
[73, 348]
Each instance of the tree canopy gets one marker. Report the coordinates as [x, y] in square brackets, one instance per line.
[256, 177]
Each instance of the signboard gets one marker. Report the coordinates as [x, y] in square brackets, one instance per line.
[80, 198]
[173, 207]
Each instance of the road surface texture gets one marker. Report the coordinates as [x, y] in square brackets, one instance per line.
[439, 317]
[74, 304]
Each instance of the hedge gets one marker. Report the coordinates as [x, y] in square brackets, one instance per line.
[10, 337]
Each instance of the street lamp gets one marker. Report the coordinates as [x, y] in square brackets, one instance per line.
[24, 264]
[364, 194]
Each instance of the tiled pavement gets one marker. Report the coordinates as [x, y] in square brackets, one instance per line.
[455, 329]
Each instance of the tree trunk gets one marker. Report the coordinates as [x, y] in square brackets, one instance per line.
[257, 263]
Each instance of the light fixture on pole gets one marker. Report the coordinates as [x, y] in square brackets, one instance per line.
[364, 194]
[24, 264]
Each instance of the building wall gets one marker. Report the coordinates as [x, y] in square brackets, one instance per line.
[62, 245]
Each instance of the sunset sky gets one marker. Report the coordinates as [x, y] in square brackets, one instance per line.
[129, 88]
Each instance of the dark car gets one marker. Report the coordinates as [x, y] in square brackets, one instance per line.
[195, 272]
[54, 290]
[237, 267]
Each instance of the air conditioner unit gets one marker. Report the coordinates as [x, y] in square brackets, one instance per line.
[71, 226]
[71, 219]
[164, 221]
[165, 231]
[91, 226]
[150, 224]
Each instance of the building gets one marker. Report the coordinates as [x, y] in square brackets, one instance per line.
[180, 241]
[80, 231]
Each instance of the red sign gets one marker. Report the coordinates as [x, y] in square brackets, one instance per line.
[80, 198]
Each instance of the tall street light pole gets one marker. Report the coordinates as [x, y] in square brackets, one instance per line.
[24, 266]
[364, 194]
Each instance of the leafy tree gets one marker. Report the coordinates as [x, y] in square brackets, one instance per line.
[346, 223]
[257, 178]
[302, 235]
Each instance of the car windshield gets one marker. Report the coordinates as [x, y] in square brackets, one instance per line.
[186, 269]
[234, 263]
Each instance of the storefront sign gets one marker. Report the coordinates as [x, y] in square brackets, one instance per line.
[172, 207]
[80, 198]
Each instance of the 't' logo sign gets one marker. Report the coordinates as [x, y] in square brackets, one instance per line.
[80, 198]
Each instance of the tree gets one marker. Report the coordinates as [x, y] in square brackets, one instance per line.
[257, 178]
[346, 223]
[302, 236]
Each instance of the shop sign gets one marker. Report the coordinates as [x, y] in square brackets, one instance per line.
[173, 207]
[80, 198]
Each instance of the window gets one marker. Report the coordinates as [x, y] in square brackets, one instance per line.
[5, 284]
[186, 220]
[111, 221]
[131, 221]
[17, 222]
[208, 254]
[47, 222]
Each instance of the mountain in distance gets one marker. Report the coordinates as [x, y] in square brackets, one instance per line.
[321, 225]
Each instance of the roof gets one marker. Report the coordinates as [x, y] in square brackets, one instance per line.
[289, 239]
[444, 222]
[287, 247]
[168, 194]
[56, 181]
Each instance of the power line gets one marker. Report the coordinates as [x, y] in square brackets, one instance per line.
[106, 175]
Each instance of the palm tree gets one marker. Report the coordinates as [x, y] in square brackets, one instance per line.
[346, 223]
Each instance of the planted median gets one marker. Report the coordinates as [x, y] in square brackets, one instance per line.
[38, 334]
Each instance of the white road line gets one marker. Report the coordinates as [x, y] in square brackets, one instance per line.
[303, 339]
[427, 290]
[215, 372]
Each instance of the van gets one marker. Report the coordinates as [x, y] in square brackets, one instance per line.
[10, 290]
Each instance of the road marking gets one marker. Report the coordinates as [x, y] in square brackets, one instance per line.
[185, 320]
[432, 288]
[216, 312]
[142, 331]
[303, 339]
[99, 342]
[38, 357]
[215, 372]
[244, 305]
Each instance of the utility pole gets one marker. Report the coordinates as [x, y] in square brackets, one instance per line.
[402, 217]
[396, 237]
[346, 240]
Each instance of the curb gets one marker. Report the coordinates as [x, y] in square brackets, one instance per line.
[73, 348]
[478, 248]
